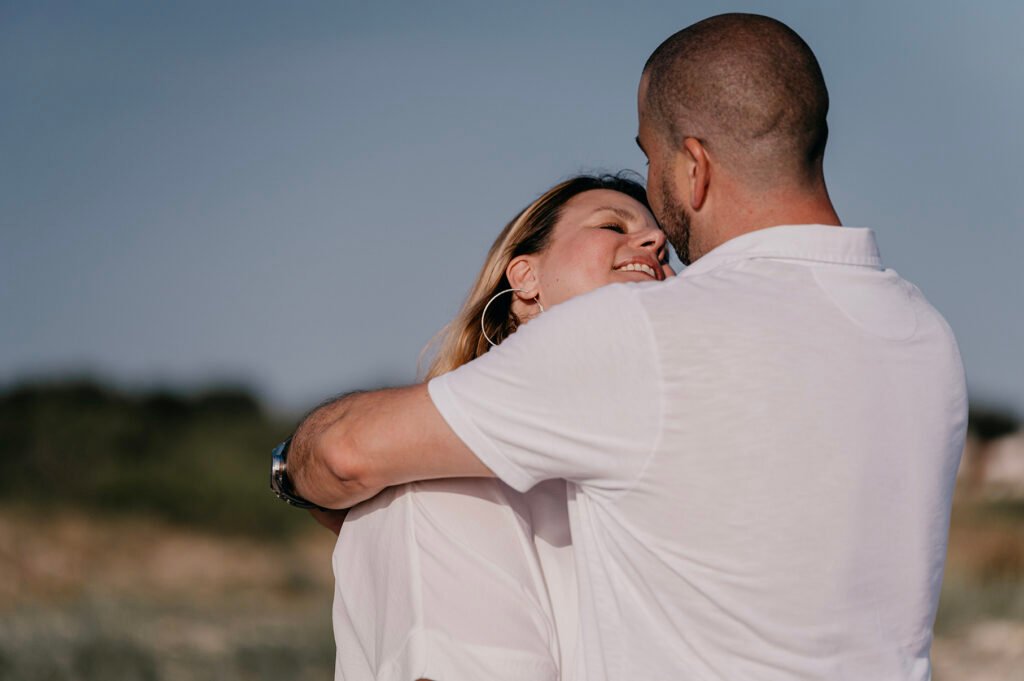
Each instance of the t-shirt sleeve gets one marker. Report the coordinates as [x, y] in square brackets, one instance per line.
[573, 394]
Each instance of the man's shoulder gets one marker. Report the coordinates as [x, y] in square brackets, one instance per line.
[928, 315]
[607, 303]
[631, 311]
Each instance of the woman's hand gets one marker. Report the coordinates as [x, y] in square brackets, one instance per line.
[332, 520]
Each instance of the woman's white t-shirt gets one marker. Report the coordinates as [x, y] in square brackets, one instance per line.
[461, 579]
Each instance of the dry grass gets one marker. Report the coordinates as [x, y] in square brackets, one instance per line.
[90, 599]
[980, 626]
[985, 565]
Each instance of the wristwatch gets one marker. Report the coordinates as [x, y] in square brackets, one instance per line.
[279, 482]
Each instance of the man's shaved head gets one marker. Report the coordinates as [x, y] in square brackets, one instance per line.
[750, 89]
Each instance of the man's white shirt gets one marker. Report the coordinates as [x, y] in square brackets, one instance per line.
[760, 455]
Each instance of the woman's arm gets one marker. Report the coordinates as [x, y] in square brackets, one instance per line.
[331, 519]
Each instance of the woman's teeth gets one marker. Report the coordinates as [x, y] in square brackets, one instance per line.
[638, 267]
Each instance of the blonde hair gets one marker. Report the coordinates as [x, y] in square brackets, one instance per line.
[462, 340]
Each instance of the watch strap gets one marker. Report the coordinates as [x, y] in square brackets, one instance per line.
[280, 483]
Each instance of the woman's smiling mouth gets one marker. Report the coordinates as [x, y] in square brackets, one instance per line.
[635, 266]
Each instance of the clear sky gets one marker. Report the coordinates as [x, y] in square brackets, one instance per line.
[298, 195]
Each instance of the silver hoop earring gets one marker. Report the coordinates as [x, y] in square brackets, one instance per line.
[483, 315]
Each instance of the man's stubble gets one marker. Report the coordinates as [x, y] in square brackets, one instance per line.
[674, 220]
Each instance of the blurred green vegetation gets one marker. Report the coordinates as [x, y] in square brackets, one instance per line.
[988, 422]
[199, 459]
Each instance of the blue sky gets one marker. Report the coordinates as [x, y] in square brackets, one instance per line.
[297, 196]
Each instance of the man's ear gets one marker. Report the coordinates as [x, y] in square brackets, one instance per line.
[522, 274]
[697, 167]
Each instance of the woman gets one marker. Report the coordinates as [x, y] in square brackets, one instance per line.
[467, 579]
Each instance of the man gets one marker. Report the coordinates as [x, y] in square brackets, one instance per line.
[760, 452]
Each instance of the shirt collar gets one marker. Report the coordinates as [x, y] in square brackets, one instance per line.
[817, 243]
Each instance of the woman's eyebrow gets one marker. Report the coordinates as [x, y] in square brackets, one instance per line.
[621, 212]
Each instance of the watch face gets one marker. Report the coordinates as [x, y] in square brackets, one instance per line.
[279, 479]
[277, 460]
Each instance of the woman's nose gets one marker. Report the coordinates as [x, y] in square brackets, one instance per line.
[654, 240]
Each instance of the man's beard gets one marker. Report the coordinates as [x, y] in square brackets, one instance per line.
[675, 221]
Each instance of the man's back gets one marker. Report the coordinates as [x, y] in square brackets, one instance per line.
[814, 421]
[773, 501]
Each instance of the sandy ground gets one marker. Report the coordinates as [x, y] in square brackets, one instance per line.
[988, 651]
[87, 599]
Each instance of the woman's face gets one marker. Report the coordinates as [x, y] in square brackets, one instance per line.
[602, 237]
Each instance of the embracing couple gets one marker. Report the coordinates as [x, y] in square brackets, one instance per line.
[741, 472]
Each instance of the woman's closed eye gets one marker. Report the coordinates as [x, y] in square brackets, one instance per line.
[615, 228]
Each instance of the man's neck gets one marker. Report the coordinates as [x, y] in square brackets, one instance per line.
[774, 209]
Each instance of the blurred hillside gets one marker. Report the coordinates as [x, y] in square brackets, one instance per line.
[201, 460]
[139, 540]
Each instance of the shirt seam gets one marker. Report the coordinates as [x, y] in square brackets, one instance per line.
[841, 310]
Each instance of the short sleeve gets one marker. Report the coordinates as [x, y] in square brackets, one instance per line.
[573, 394]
